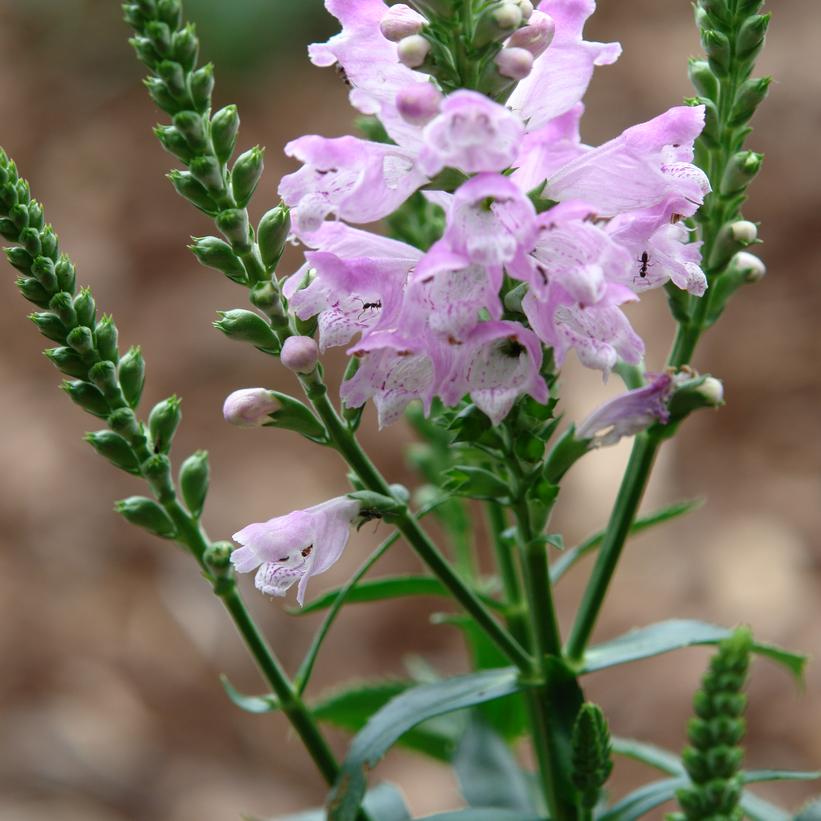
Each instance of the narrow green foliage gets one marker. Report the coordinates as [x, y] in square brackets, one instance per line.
[591, 754]
[713, 759]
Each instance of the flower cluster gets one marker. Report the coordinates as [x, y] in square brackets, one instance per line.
[436, 324]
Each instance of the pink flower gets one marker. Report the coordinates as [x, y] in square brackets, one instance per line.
[648, 165]
[348, 178]
[249, 407]
[561, 74]
[628, 414]
[295, 547]
[498, 362]
[472, 133]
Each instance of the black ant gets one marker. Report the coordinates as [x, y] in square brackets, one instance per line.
[343, 75]
[645, 264]
[367, 306]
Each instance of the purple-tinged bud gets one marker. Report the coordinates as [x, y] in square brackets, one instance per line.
[299, 354]
[413, 50]
[401, 21]
[419, 103]
[536, 36]
[249, 407]
[749, 265]
[744, 231]
[515, 63]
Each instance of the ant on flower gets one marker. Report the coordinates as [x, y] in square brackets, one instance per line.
[367, 306]
[644, 259]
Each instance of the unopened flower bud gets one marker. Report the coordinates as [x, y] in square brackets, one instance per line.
[188, 187]
[207, 171]
[249, 407]
[131, 373]
[202, 85]
[744, 231]
[246, 174]
[272, 234]
[515, 63]
[247, 326]
[526, 8]
[401, 21]
[115, 448]
[740, 170]
[106, 336]
[85, 307]
[218, 555]
[194, 476]
[508, 16]
[224, 128]
[536, 36]
[419, 103]
[300, 354]
[752, 268]
[163, 422]
[215, 253]
[146, 513]
[712, 390]
[81, 339]
[233, 222]
[87, 397]
[413, 50]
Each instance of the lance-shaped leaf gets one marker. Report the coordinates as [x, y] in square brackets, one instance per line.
[251, 704]
[673, 635]
[388, 587]
[477, 483]
[383, 802]
[401, 714]
[485, 814]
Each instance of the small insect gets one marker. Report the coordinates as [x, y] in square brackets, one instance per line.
[368, 306]
[645, 264]
[343, 75]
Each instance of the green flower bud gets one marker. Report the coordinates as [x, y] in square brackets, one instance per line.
[36, 215]
[170, 12]
[49, 325]
[159, 35]
[62, 305]
[44, 270]
[67, 361]
[591, 754]
[266, 297]
[148, 8]
[131, 374]
[19, 259]
[114, 448]
[214, 253]
[144, 49]
[245, 175]
[217, 556]
[497, 23]
[30, 239]
[202, 86]
[49, 242]
[163, 422]
[186, 186]
[106, 335]
[157, 470]
[224, 128]
[718, 12]
[8, 230]
[104, 376]
[739, 173]
[233, 223]
[272, 234]
[81, 340]
[66, 274]
[194, 476]
[413, 51]
[186, 47]
[749, 97]
[33, 291]
[246, 326]
[19, 215]
[124, 422]
[173, 142]
[8, 195]
[85, 307]
[192, 126]
[751, 36]
[172, 74]
[146, 513]
[207, 171]
[717, 47]
[87, 397]
[160, 95]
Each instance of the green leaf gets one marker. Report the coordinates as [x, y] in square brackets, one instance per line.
[476, 483]
[400, 715]
[756, 776]
[664, 514]
[644, 799]
[296, 416]
[757, 809]
[485, 814]
[673, 635]
[388, 587]
[662, 760]
[383, 802]
[351, 709]
[251, 704]
[489, 775]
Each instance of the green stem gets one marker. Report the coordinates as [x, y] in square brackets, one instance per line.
[624, 511]
[514, 595]
[349, 448]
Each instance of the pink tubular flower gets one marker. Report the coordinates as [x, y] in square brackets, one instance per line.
[536, 36]
[249, 407]
[473, 134]
[628, 414]
[648, 165]
[491, 220]
[348, 178]
[561, 75]
[498, 362]
[295, 547]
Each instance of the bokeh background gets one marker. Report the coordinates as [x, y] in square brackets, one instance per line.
[111, 645]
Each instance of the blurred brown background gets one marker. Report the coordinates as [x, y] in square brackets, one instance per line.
[110, 707]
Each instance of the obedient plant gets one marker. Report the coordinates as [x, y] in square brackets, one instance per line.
[512, 246]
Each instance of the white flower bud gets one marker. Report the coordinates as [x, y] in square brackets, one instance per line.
[413, 50]
[712, 390]
[526, 8]
[515, 63]
[744, 231]
[419, 103]
[508, 17]
[299, 354]
[536, 36]
[401, 21]
[249, 407]
[750, 265]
